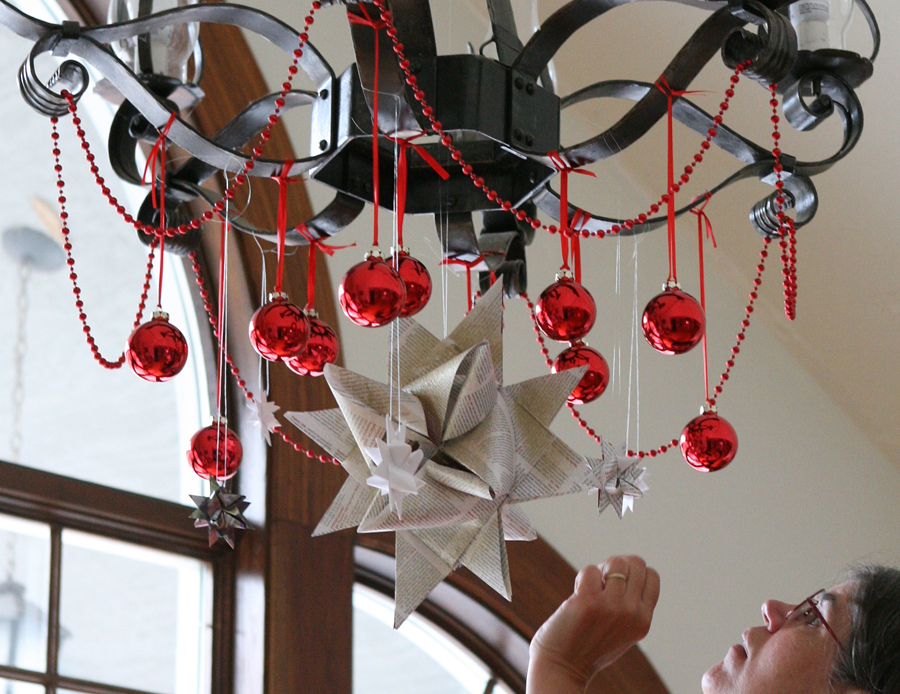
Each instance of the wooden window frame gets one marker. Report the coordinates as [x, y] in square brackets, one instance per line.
[64, 503]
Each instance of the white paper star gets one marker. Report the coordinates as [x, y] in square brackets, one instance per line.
[265, 417]
[617, 479]
[396, 465]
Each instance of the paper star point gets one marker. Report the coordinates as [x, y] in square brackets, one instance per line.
[265, 417]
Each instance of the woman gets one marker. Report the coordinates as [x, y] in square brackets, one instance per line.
[842, 641]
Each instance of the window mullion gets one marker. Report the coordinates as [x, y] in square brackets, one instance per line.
[53, 629]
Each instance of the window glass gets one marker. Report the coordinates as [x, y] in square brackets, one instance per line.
[24, 593]
[417, 658]
[134, 617]
[13, 687]
[75, 417]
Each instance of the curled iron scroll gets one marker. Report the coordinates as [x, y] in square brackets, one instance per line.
[89, 44]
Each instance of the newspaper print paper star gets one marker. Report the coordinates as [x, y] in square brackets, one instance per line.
[221, 513]
[617, 479]
[265, 417]
[396, 465]
[487, 448]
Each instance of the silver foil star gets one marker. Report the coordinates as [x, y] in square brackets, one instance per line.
[617, 479]
[221, 512]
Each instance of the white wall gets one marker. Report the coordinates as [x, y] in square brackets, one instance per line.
[807, 492]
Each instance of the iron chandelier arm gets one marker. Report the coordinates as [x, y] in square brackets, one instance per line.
[89, 46]
[801, 197]
[271, 28]
[686, 65]
[337, 215]
[683, 110]
[829, 93]
[563, 23]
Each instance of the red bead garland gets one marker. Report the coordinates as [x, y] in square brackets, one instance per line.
[70, 261]
[786, 227]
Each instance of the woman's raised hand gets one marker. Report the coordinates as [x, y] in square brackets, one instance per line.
[608, 613]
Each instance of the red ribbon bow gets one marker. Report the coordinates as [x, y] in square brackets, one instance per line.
[471, 265]
[314, 245]
[402, 174]
[703, 218]
[565, 230]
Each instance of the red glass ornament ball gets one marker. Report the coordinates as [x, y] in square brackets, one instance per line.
[673, 322]
[595, 379]
[372, 293]
[157, 350]
[565, 311]
[417, 281]
[321, 349]
[279, 329]
[708, 442]
[216, 451]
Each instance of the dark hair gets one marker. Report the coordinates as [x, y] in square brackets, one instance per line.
[871, 661]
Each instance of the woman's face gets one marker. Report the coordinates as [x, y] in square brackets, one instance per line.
[785, 657]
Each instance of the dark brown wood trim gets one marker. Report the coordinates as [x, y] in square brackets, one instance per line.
[93, 508]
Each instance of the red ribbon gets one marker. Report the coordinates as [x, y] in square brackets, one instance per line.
[670, 93]
[221, 317]
[281, 227]
[314, 245]
[366, 20]
[701, 218]
[564, 230]
[402, 175]
[579, 219]
[157, 158]
[470, 265]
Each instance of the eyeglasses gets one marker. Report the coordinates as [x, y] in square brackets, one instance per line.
[808, 613]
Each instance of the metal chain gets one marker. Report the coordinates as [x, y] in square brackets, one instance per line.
[18, 390]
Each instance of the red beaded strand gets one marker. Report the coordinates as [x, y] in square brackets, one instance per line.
[238, 180]
[236, 372]
[745, 322]
[70, 262]
[786, 227]
[493, 195]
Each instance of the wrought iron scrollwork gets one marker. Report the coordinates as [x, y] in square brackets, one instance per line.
[509, 126]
